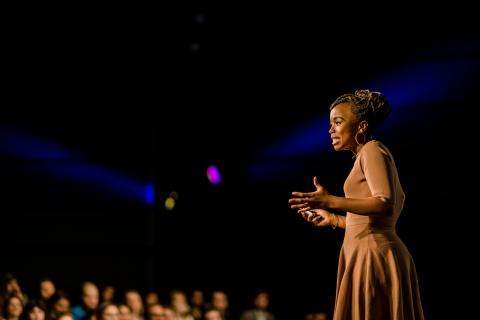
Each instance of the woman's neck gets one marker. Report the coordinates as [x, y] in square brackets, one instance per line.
[358, 147]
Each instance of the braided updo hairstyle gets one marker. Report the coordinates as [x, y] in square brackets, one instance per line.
[367, 105]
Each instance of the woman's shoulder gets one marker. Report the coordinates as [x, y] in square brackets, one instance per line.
[375, 147]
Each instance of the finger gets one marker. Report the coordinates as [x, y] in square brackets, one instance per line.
[296, 200]
[316, 183]
[297, 206]
[303, 211]
[297, 194]
[303, 194]
[307, 215]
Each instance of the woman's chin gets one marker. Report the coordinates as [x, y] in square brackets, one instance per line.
[337, 147]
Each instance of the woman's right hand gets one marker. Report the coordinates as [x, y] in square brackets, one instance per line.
[319, 217]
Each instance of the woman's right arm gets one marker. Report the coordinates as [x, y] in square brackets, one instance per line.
[324, 218]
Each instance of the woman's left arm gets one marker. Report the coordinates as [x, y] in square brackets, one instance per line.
[371, 206]
[377, 166]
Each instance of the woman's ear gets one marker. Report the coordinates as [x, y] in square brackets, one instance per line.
[363, 126]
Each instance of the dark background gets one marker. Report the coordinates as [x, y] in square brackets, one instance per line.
[161, 93]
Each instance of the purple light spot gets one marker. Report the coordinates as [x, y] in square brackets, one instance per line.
[214, 175]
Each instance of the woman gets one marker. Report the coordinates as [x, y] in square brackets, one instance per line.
[376, 274]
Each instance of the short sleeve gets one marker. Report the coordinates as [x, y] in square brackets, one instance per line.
[377, 164]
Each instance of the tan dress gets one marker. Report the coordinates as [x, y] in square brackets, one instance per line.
[376, 274]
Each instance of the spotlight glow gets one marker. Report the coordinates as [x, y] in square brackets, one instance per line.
[169, 203]
[214, 175]
[150, 194]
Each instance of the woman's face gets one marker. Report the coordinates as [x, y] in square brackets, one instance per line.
[36, 314]
[343, 127]
[14, 307]
[111, 312]
[62, 305]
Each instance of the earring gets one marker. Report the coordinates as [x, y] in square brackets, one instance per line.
[364, 139]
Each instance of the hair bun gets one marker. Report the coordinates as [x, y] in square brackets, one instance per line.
[366, 105]
[363, 94]
[376, 104]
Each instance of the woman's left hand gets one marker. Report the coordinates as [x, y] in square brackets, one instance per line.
[306, 200]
